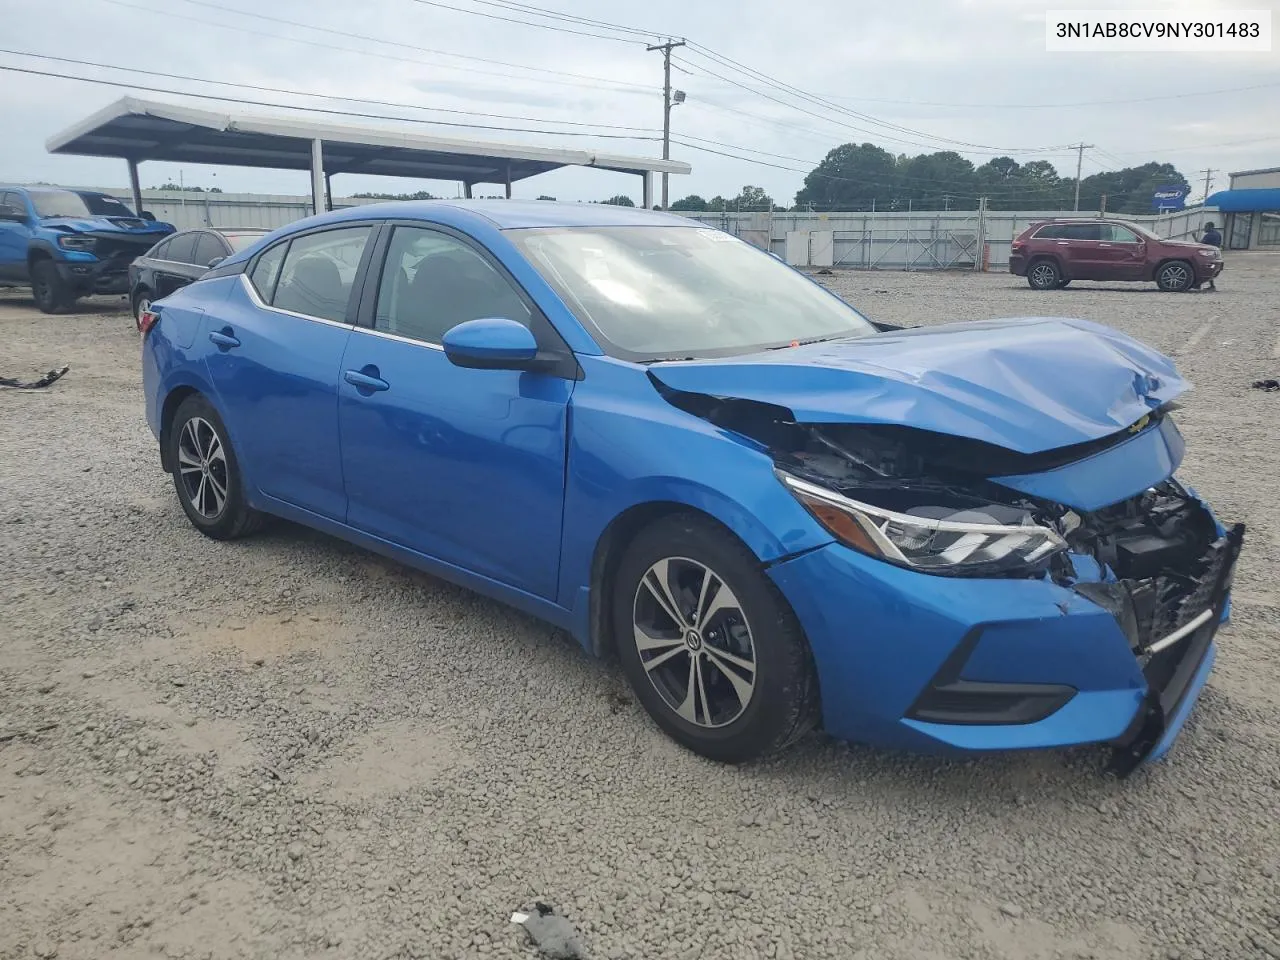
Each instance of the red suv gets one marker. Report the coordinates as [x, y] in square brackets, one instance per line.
[1052, 253]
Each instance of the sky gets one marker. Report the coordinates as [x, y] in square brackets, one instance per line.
[911, 78]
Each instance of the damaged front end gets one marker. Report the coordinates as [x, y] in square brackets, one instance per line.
[1156, 560]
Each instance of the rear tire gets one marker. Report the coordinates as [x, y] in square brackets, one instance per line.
[1062, 284]
[731, 679]
[206, 474]
[48, 290]
[1043, 274]
[141, 302]
[1175, 276]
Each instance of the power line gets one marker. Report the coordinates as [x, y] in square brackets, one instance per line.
[1056, 106]
[324, 96]
[567, 17]
[222, 25]
[527, 23]
[223, 9]
[286, 106]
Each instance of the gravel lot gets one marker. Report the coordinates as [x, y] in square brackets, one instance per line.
[287, 747]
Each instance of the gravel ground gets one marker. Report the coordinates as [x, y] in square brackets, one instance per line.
[287, 747]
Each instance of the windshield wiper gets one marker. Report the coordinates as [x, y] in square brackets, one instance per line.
[803, 343]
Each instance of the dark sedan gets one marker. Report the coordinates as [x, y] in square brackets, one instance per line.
[180, 259]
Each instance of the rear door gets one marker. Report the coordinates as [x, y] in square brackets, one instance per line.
[1082, 257]
[274, 354]
[174, 270]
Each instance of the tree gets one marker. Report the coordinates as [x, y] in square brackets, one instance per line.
[692, 203]
[751, 198]
[621, 200]
[1130, 190]
[849, 177]
[936, 181]
[545, 197]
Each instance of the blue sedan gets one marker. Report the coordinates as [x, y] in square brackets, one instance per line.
[776, 513]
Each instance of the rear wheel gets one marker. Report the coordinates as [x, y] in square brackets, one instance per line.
[1044, 274]
[708, 643]
[1062, 284]
[141, 304]
[51, 294]
[1175, 276]
[206, 473]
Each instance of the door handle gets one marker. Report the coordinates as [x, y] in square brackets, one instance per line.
[1107, 245]
[224, 339]
[1063, 243]
[364, 382]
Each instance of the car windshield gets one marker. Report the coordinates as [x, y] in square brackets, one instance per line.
[102, 205]
[59, 203]
[239, 241]
[662, 293]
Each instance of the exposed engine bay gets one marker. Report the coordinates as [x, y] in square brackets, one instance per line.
[1152, 560]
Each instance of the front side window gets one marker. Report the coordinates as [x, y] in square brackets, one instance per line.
[319, 271]
[432, 282]
[663, 293]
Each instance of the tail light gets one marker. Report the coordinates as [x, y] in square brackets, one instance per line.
[148, 319]
[1017, 245]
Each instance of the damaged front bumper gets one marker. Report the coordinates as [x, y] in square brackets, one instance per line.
[945, 665]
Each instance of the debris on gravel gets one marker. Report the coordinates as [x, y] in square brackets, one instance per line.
[382, 764]
[554, 936]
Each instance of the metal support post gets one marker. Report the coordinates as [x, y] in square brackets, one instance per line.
[135, 186]
[647, 190]
[317, 177]
[466, 189]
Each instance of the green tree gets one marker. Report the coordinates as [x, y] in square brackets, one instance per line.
[692, 203]
[621, 200]
[936, 181]
[751, 198]
[545, 197]
[849, 177]
[420, 195]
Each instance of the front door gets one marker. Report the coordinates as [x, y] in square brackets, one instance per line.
[172, 271]
[466, 466]
[274, 356]
[1122, 253]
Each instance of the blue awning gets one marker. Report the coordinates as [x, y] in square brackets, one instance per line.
[1245, 200]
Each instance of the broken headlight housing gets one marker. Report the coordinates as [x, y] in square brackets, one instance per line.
[990, 540]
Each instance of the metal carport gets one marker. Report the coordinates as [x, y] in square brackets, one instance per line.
[136, 130]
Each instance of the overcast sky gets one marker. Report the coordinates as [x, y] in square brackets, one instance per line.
[956, 70]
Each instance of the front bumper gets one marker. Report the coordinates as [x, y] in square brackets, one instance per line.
[95, 276]
[1020, 664]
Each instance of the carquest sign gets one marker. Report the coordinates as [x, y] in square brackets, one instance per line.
[1168, 198]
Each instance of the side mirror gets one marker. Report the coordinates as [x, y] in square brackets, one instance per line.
[490, 344]
[8, 212]
[147, 215]
[215, 261]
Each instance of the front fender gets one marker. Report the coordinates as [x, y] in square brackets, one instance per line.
[629, 448]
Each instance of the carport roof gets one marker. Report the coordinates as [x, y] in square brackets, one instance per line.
[139, 130]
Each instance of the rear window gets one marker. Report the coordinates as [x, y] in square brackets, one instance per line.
[1049, 231]
[181, 248]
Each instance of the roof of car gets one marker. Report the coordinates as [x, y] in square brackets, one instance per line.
[519, 214]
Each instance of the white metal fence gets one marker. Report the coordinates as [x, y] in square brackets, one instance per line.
[919, 240]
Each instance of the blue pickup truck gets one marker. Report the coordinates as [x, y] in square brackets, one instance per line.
[69, 244]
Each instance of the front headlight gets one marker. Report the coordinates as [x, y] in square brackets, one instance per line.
[73, 242]
[1209, 253]
[931, 539]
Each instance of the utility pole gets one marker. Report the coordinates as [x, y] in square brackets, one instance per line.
[666, 49]
[1080, 149]
[1208, 182]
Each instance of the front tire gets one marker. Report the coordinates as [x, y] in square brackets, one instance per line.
[1044, 274]
[50, 293]
[1176, 276]
[206, 474]
[709, 645]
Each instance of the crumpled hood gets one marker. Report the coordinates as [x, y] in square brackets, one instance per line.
[107, 225]
[1027, 384]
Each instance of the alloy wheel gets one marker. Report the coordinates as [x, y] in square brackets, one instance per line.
[1176, 276]
[1044, 275]
[143, 305]
[694, 642]
[202, 467]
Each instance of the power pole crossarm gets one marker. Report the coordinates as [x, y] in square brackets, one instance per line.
[1080, 149]
[666, 49]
